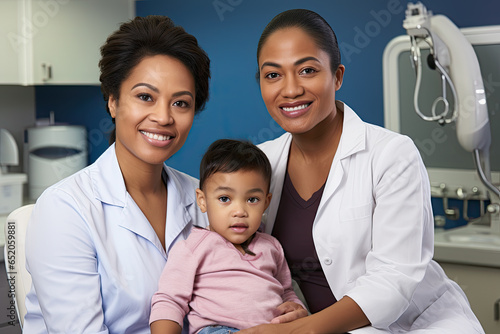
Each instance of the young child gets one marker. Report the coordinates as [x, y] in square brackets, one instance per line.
[230, 276]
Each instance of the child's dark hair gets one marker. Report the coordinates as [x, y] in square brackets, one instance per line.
[229, 155]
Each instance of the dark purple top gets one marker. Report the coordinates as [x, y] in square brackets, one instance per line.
[293, 229]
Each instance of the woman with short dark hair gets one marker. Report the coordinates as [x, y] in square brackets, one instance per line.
[98, 240]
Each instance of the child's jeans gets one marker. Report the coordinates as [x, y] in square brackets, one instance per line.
[216, 329]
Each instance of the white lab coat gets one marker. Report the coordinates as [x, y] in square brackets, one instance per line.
[94, 258]
[373, 232]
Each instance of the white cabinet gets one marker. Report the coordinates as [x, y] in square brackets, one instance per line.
[482, 287]
[9, 55]
[56, 41]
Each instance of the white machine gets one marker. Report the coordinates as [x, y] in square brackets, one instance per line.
[11, 184]
[452, 55]
[54, 152]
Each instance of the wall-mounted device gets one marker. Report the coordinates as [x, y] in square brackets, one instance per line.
[11, 184]
[54, 152]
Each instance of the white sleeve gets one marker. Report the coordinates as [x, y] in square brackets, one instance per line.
[402, 233]
[62, 261]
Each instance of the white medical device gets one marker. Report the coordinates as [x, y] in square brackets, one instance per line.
[452, 55]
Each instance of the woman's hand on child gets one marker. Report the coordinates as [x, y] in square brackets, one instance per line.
[289, 311]
[263, 329]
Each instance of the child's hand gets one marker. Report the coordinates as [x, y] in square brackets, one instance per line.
[289, 311]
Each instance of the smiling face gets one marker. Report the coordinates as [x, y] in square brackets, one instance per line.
[296, 81]
[155, 110]
[234, 203]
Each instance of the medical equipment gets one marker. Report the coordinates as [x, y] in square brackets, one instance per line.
[54, 152]
[11, 184]
[452, 55]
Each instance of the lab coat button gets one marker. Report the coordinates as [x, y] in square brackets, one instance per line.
[327, 261]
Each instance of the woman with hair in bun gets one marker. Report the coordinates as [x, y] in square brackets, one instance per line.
[351, 201]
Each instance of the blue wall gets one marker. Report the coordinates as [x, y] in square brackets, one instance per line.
[229, 31]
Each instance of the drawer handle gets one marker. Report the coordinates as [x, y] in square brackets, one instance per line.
[47, 72]
[497, 310]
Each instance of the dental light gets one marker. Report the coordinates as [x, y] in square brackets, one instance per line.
[453, 57]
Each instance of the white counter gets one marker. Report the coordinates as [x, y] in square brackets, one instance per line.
[468, 245]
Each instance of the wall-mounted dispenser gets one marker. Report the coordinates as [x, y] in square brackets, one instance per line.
[54, 152]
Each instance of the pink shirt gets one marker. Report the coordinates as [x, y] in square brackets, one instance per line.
[208, 277]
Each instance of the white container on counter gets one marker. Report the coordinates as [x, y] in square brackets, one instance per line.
[11, 192]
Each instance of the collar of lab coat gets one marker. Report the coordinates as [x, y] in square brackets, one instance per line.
[109, 187]
[352, 141]
[107, 179]
[353, 137]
